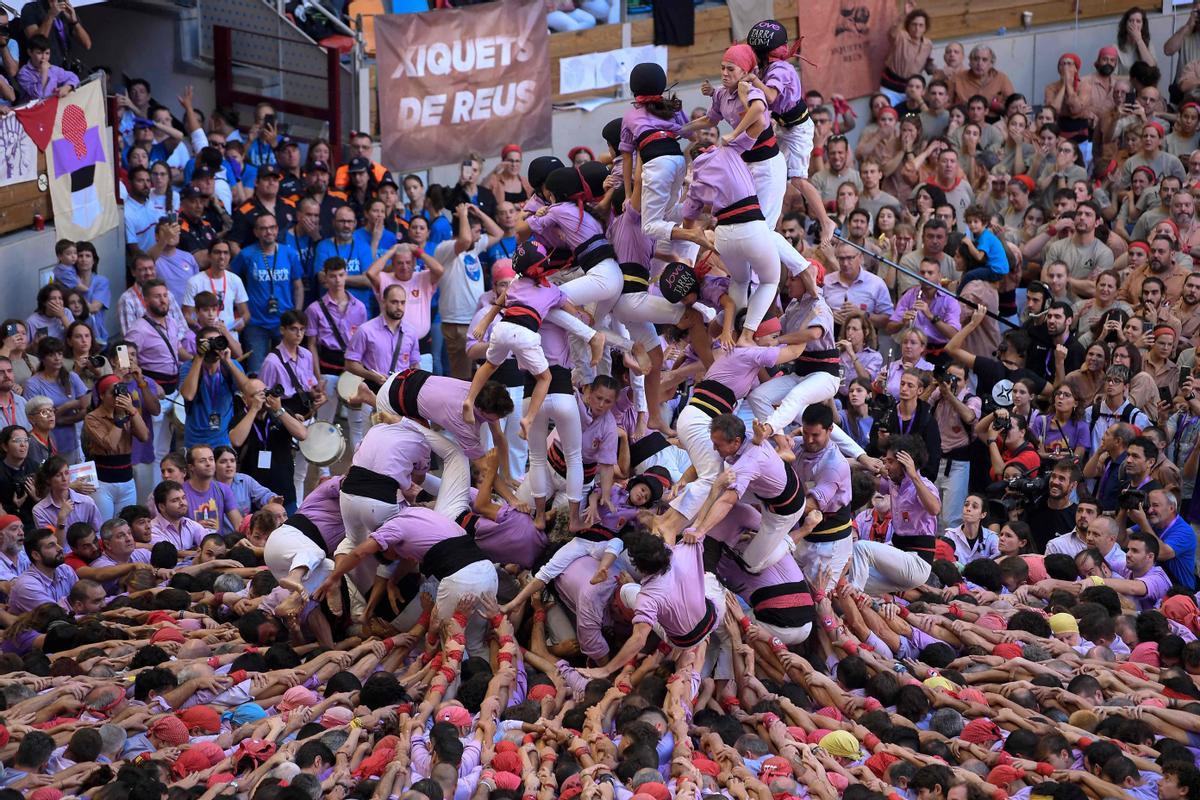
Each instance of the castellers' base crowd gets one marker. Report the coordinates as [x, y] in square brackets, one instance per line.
[729, 462]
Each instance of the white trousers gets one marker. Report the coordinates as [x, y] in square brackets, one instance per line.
[770, 179]
[694, 430]
[772, 541]
[478, 579]
[641, 311]
[600, 285]
[748, 250]
[518, 448]
[288, 549]
[811, 556]
[792, 394]
[796, 143]
[789, 257]
[564, 411]
[508, 338]
[454, 493]
[362, 516]
[662, 184]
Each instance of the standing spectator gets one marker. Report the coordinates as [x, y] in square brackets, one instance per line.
[462, 283]
[94, 286]
[362, 187]
[67, 393]
[506, 182]
[39, 78]
[263, 437]
[330, 324]
[230, 291]
[837, 170]
[305, 237]
[287, 159]
[158, 339]
[263, 137]
[210, 382]
[468, 190]
[909, 51]
[108, 432]
[398, 265]
[274, 284]
[16, 475]
[982, 78]
[327, 201]
[1185, 42]
[12, 405]
[266, 201]
[141, 216]
[507, 217]
[353, 251]
[439, 227]
[58, 22]
[1133, 41]
[291, 367]
[172, 266]
[131, 305]
[40, 410]
[361, 146]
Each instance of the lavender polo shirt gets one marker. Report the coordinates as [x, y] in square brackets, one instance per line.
[33, 588]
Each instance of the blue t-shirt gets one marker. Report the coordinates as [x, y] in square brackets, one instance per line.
[214, 395]
[357, 255]
[993, 250]
[1182, 539]
[505, 248]
[266, 278]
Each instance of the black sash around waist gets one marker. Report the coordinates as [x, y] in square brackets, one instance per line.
[332, 362]
[653, 144]
[560, 382]
[597, 533]
[509, 374]
[796, 115]
[523, 315]
[893, 82]
[593, 251]
[557, 459]
[362, 482]
[702, 629]
[834, 526]
[784, 605]
[790, 500]
[469, 522]
[745, 210]
[450, 555]
[169, 383]
[636, 278]
[309, 529]
[812, 362]
[921, 545]
[647, 447]
[404, 392]
[765, 147]
[713, 398]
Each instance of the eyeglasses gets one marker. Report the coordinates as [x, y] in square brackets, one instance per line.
[837, 137]
[45, 412]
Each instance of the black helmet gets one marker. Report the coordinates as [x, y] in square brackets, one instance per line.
[767, 35]
[540, 167]
[677, 281]
[656, 479]
[594, 173]
[612, 133]
[647, 79]
[565, 183]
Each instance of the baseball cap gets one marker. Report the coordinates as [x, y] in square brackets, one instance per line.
[358, 164]
[202, 172]
[318, 166]
[286, 141]
[189, 192]
[269, 171]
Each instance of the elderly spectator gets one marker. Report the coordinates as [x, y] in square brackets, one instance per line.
[981, 78]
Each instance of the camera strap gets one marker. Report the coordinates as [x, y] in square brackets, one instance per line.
[337, 334]
[162, 335]
[291, 373]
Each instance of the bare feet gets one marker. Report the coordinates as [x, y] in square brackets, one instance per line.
[539, 519]
[334, 601]
[656, 422]
[468, 412]
[600, 577]
[783, 446]
[643, 358]
[827, 230]
[596, 344]
[632, 364]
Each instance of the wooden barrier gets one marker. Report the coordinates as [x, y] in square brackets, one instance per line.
[21, 201]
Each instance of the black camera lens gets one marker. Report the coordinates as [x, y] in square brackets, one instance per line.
[97, 361]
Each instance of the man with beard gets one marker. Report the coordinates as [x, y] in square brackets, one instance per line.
[923, 307]
[140, 216]
[382, 346]
[12, 405]
[1184, 317]
[158, 337]
[1055, 513]
[1163, 265]
[274, 283]
[1154, 213]
[983, 79]
[934, 236]
[1083, 253]
[1183, 214]
[287, 158]
[1075, 541]
[791, 226]
[858, 230]
[13, 560]
[1054, 351]
[354, 251]
[48, 579]
[837, 171]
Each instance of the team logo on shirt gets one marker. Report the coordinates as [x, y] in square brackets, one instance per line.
[471, 263]
[596, 443]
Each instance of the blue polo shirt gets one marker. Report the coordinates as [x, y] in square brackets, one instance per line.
[1182, 539]
[268, 277]
[357, 255]
[214, 396]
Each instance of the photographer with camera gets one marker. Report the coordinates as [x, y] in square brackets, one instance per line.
[263, 438]
[210, 381]
[909, 415]
[290, 367]
[1134, 482]
[1007, 440]
[1158, 515]
[108, 432]
[1053, 513]
[955, 409]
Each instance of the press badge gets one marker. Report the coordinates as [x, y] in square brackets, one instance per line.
[264, 459]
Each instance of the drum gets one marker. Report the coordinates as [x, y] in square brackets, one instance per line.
[324, 445]
[347, 386]
[177, 411]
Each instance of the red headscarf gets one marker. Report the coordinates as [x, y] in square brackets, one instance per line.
[741, 56]
[1182, 609]
[1077, 61]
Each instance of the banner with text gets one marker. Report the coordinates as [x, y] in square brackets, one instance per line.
[463, 80]
[848, 42]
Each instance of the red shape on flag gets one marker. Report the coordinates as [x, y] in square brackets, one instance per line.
[38, 121]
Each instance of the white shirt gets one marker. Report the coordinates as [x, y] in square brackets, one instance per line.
[229, 289]
[140, 219]
[462, 284]
[1068, 545]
